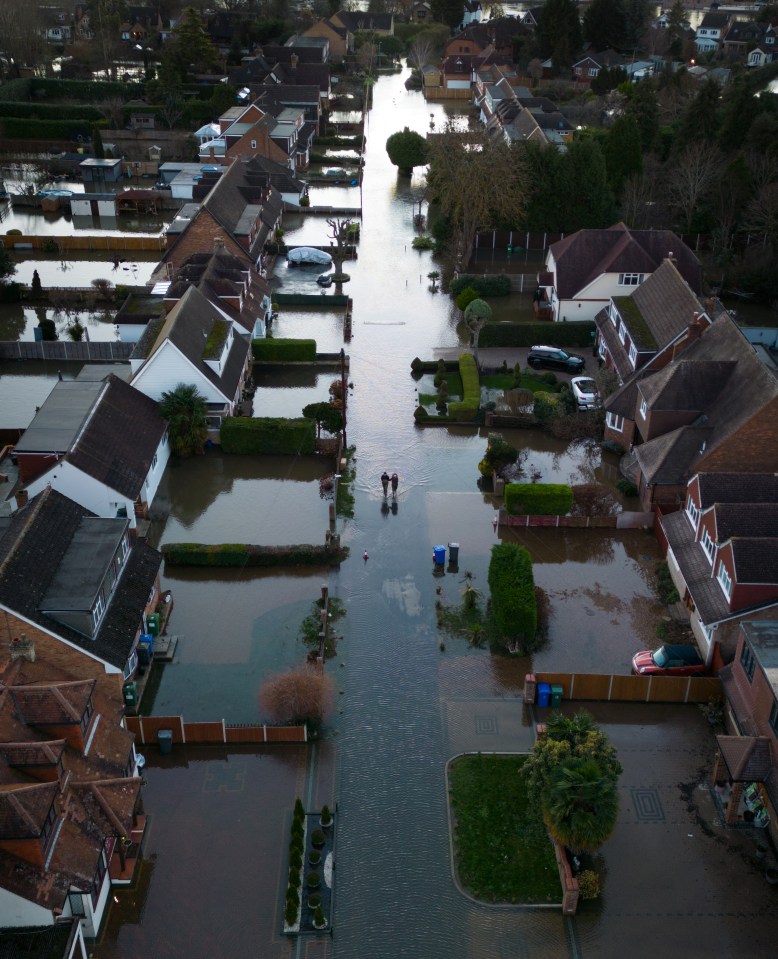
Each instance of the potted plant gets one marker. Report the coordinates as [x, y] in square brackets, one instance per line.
[319, 919]
[314, 901]
[325, 819]
[315, 857]
[313, 880]
[318, 838]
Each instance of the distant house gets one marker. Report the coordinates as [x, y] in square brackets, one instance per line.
[358, 21]
[531, 17]
[58, 25]
[741, 36]
[340, 38]
[586, 69]
[196, 343]
[80, 580]
[420, 12]
[494, 36]
[587, 268]
[103, 445]
[473, 13]
[711, 30]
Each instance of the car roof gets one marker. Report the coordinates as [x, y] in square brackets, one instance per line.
[682, 651]
[541, 346]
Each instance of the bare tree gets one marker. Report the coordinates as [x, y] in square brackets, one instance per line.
[762, 213]
[691, 177]
[113, 111]
[421, 53]
[635, 200]
[763, 167]
[22, 33]
[301, 695]
[339, 234]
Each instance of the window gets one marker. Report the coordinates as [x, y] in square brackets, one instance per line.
[253, 144]
[747, 661]
[692, 512]
[708, 545]
[774, 718]
[76, 904]
[633, 355]
[48, 825]
[97, 881]
[725, 580]
[130, 665]
[593, 71]
[154, 461]
[622, 332]
[98, 609]
[614, 315]
[615, 422]
[643, 408]
[630, 279]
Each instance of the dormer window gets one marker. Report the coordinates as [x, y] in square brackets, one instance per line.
[614, 315]
[98, 610]
[708, 545]
[692, 512]
[643, 408]
[725, 580]
[622, 332]
[630, 279]
[633, 355]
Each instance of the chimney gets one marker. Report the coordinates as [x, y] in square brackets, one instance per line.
[672, 258]
[294, 60]
[23, 648]
[22, 496]
[694, 330]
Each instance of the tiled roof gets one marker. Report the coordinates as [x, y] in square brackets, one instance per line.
[688, 385]
[120, 439]
[108, 803]
[666, 305]
[666, 459]
[24, 809]
[697, 573]
[587, 254]
[756, 559]
[59, 704]
[746, 520]
[748, 758]
[45, 753]
[737, 488]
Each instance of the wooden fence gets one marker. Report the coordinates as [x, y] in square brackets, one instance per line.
[625, 520]
[84, 242]
[92, 351]
[146, 728]
[628, 689]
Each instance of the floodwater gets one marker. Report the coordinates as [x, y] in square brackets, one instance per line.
[18, 322]
[135, 270]
[286, 392]
[25, 386]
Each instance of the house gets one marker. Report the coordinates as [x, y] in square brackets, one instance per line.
[722, 553]
[745, 776]
[495, 35]
[586, 69]
[289, 68]
[711, 408]
[71, 580]
[531, 16]
[539, 125]
[102, 444]
[280, 134]
[585, 269]
[740, 36]
[711, 30]
[473, 13]
[95, 170]
[358, 21]
[760, 56]
[420, 12]
[196, 343]
[274, 53]
[340, 38]
[71, 812]
[58, 27]
[637, 326]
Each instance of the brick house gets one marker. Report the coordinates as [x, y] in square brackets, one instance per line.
[340, 39]
[358, 21]
[102, 444]
[722, 552]
[74, 581]
[745, 775]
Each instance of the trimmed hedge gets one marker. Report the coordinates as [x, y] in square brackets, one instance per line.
[538, 499]
[483, 285]
[48, 111]
[268, 436]
[467, 409]
[243, 554]
[17, 129]
[528, 334]
[284, 351]
[513, 609]
[91, 91]
[431, 366]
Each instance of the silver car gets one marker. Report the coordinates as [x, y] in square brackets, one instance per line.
[585, 392]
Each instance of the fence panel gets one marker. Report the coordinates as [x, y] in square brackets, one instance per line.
[204, 732]
[65, 351]
[245, 734]
[150, 726]
[634, 689]
[629, 689]
[286, 734]
[591, 686]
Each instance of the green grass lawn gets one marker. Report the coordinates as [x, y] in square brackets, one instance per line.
[504, 381]
[503, 852]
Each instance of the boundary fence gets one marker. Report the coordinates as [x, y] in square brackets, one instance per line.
[146, 728]
[91, 351]
[612, 688]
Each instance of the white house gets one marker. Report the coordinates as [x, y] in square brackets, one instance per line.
[712, 28]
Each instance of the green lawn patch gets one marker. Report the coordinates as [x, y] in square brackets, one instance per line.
[503, 852]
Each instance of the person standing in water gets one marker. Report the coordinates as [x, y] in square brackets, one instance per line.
[385, 481]
[395, 481]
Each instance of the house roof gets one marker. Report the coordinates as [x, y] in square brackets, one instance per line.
[24, 809]
[748, 758]
[33, 546]
[737, 488]
[77, 581]
[762, 636]
[583, 256]
[755, 559]
[704, 590]
[665, 460]
[663, 306]
[715, 19]
[305, 74]
[687, 385]
[58, 422]
[53, 704]
[24, 754]
[746, 519]
[355, 20]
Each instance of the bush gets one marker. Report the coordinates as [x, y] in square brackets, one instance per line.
[483, 285]
[314, 900]
[589, 884]
[268, 436]
[538, 499]
[467, 409]
[296, 861]
[314, 858]
[318, 917]
[420, 414]
[326, 815]
[549, 377]
[284, 351]
[513, 610]
[423, 243]
[313, 880]
[290, 913]
[499, 454]
[245, 554]
[627, 487]
[17, 129]
[528, 334]
[294, 878]
[318, 838]
[299, 810]
[465, 298]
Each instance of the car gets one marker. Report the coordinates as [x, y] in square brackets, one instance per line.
[668, 660]
[554, 358]
[585, 392]
[325, 279]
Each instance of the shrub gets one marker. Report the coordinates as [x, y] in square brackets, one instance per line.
[550, 378]
[295, 861]
[466, 297]
[284, 351]
[326, 815]
[420, 414]
[589, 884]
[483, 285]
[299, 695]
[579, 334]
[467, 409]
[423, 243]
[318, 838]
[313, 880]
[299, 809]
[243, 554]
[314, 900]
[318, 917]
[13, 232]
[538, 499]
[314, 858]
[290, 913]
[512, 606]
[627, 487]
[499, 454]
[268, 436]
[294, 878]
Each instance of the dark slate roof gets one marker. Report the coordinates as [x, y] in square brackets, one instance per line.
[587, 254]
[276, 53]
[703, 588]
[666, 459]
[688, 385]
[31, 550]
[306, 74]
[44, 942]
[746, 519]
[272, 96]
[121, 438]
[281, 177]
[715, 19]
[59, 420]
[665, 305]
[737, 488]
[756, 559]
[355, 20]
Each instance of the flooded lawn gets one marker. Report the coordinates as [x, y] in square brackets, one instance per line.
[286, 392]
[18, 323]
[23, 386]
[135, 271]
[324, 326]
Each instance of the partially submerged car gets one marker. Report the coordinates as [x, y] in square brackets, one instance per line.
[668, 660]
[585, 392]
[325, 279]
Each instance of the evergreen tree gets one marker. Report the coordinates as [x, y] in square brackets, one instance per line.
[677, 28]
[642, 106]
[7, 265]
[36, 286]
[637, 14]
[623, 156]
[589, 201]
[604, 24]
[185, 409]
[741, 108]
[450, 12]
[702, 117]
[559, 32]
[97, 144]
[191, 45]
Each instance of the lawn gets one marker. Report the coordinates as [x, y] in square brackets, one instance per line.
[503, 852]
[505, 381]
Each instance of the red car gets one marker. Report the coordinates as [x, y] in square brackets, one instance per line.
[668, 661]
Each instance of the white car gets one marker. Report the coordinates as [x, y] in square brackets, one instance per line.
[585, 392]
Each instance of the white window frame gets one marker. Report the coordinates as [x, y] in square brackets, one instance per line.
[614, 422]
[131, 665]
[692, 513]
[614, 315]
[593, 71]
[98, 610]
[643, 408]
[708, 546]
[630, 279]
[622, 332]
[724, 580]
[633, 354]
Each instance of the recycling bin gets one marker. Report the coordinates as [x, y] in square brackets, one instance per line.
[165, 741]
[453, 553]
[544, 693]
[556, 696]
[439, 555]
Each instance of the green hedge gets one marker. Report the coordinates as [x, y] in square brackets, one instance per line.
[48, 111]
[467, 409]
[513, 608]
[431, 366]
[284, 351]
[243, 554]
[90, 91]
[16, 89]
[538, 499]
[528, 334]
[483, 285]
[18, 129]
[268, 436]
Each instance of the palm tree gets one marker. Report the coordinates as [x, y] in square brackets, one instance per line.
[185, 409]
[581, 805]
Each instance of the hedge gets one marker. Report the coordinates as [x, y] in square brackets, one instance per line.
[268, 436]
[48, 111]
[91, 91]
[15, 129]
[528, 334]
[538, 499]
[243, 555]
[284, 351]
[483, 285]
[467, 409]
[431, 366]
[513, 610]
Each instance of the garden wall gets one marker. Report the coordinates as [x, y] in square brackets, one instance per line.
[65, 350]
[145, 729]
[627, 689]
